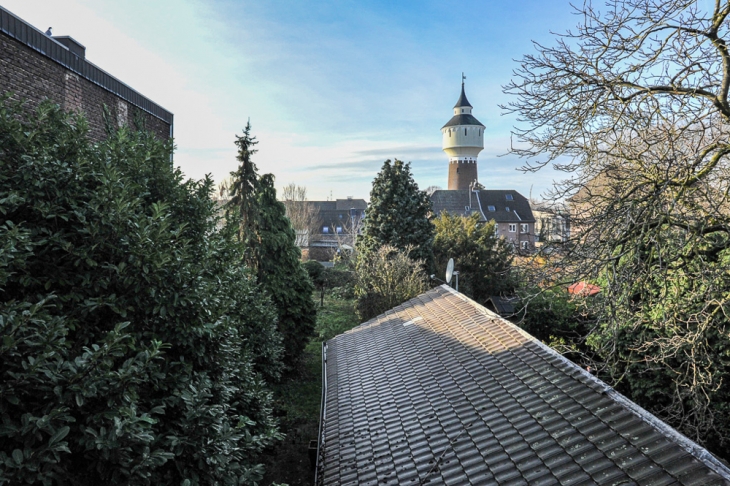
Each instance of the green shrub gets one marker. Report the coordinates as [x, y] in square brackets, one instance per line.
[134, 347]
[385, 278]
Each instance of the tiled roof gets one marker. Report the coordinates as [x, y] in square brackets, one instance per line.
[339, 204]
[505, 306]
[516, 210]
[462, 119]
[351, 204]
[440, 390]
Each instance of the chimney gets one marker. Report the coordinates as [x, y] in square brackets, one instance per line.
[72, 45]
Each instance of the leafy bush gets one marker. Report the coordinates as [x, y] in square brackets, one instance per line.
[482, 258]
[315, 270]
[386, 278]
[134, 347]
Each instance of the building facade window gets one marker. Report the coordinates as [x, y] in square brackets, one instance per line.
[339, 229]
[325, 229]
[512, 227]
[524, 245]
[524, 228]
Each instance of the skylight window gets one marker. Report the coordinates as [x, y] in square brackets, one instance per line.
[507, 208]
[491, 208]
[508, 197]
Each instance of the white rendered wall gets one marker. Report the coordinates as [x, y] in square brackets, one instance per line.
[463, 140]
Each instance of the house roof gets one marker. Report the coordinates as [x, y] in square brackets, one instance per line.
[584, 289]
[516, 210]
[505, 306]
[440, 390]
[462, 119]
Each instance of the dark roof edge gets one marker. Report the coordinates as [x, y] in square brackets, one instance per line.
[20, 30]
[680, 439]
[322, 413]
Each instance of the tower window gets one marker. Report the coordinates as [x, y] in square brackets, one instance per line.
[465, 131]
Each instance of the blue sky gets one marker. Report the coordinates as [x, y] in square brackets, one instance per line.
[332, 88]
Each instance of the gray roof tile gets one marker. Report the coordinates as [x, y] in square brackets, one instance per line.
[464, 397]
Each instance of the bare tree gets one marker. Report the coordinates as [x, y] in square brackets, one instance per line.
[634, 107]
[347, 238]
[304, 216]
[431, 189]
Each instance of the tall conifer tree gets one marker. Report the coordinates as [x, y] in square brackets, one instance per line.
[281, 273]
[243, 190]
[398, 214]
[271, 250]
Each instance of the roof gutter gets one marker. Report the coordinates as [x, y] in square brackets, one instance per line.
[322, 414]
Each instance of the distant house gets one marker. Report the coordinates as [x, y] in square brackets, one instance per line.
[584, 289]
[439, 390]
[552, 225]
[335, 226]
[35, 67]
[508, 208]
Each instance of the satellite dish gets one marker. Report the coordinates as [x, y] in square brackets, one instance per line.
[449, 270]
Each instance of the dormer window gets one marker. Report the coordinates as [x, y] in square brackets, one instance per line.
[508, 197]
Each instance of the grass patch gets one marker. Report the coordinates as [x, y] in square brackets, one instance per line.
[297, 399]
[337, 316]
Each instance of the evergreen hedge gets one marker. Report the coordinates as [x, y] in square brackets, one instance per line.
[134, 346]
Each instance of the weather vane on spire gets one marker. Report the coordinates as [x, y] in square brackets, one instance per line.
[462, 78]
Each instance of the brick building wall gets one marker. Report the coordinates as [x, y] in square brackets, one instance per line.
[32, 76]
